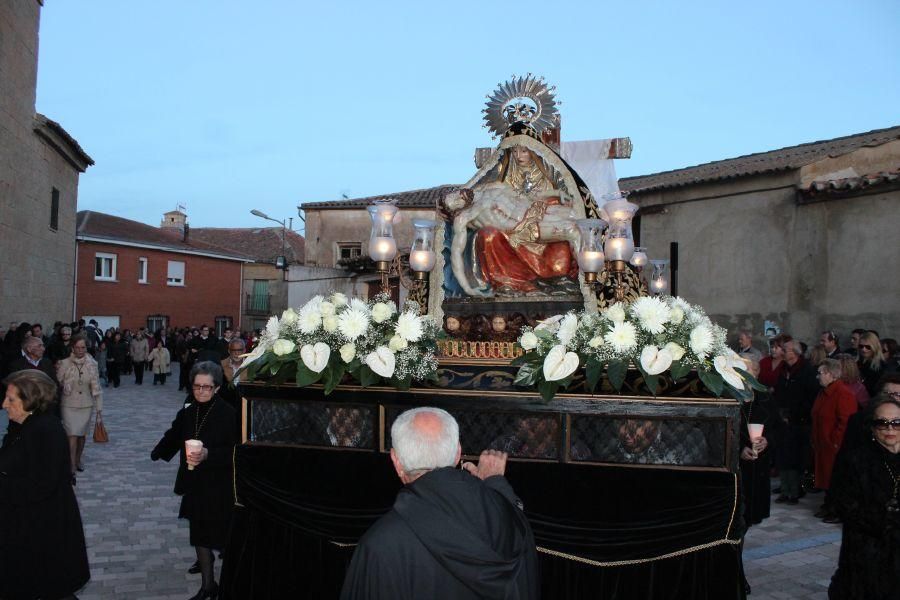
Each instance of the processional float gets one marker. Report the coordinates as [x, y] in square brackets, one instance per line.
[532, 324]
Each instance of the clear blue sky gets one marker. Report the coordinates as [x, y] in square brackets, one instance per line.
[230, 105]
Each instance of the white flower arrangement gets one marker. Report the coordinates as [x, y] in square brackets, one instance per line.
[659, 336]
[329, 337]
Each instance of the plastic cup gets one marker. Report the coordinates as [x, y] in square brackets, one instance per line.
[192, 446]
[756, 430]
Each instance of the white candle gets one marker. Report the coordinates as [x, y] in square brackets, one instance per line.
[382, 248]
[421, 260]
[591, 261]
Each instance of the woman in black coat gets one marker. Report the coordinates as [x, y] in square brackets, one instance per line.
[864, 491]
[42, 550]
[116, 355]
[204, 477]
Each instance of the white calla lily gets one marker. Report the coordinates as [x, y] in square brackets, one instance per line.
[724, 366]
[315, 356]
[382, 361]
[655, 360]
[559, 364]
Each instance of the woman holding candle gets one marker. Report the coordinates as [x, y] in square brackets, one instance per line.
[866, 494]
[204, 477]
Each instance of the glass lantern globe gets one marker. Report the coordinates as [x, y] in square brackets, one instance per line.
[659, 280]
[619, 241]
[639, 258]
[382, 245]
[421, 255]
[590, 256]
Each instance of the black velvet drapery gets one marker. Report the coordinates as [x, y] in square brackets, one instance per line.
[624, 532]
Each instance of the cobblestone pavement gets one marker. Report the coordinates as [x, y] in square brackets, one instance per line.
[138, 548]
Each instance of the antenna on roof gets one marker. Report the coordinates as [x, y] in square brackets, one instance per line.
[181, 207]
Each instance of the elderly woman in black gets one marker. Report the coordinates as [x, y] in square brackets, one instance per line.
[204, 477]
[866, 494]
[42, 551]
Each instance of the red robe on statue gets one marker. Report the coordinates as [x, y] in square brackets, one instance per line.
[519, 267]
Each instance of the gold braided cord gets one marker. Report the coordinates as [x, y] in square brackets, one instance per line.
[342, 545]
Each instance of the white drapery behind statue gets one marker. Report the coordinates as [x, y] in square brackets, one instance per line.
[590, 159]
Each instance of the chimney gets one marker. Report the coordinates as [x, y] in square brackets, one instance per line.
[187, 230]
[175, 220]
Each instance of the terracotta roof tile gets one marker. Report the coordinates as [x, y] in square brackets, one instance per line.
[424, 198]
[262, 243]
[783, 159]
[851, 185]
[117, 229]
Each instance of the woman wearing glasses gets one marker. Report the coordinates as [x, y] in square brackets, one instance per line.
[204, 479]
[866, 494]
[871, 361]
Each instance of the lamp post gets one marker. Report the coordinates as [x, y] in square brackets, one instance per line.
[280, 261]
[382, 245]
[422, 259]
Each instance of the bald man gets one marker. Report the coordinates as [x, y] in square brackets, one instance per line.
[453, 534]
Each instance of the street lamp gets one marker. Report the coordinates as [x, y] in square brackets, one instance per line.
[280, 261]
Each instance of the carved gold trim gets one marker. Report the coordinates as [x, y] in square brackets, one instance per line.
[464, 349]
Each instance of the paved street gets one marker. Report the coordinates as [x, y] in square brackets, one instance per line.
[138, 549]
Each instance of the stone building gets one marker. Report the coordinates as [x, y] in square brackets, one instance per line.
[804, 237]
[39, 168]
[265, 286]
[337, 239]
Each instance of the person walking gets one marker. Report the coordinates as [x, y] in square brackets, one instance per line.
[79, 379]
[159, 361]
[116, 353]
[139, 350]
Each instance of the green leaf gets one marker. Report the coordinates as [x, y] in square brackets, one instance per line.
[402, 384]
[752, 381]
[548, 389]
[527, 375]
[616, 371]
[519, 360]
[712, 380]
[679, 370]
[332, 375]
[593, 373]
[305, 376]
[367, 376]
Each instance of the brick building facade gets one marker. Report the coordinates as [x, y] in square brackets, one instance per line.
[134, 275]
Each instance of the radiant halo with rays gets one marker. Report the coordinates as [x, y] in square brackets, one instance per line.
[527, 99]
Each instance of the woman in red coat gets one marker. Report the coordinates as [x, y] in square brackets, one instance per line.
[830, 413]
[770, 367]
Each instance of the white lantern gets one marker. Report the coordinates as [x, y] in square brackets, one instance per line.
[639, 258]
[590, 256]
[421, 254]
[659, 281]
[382, 245]
[619, 241]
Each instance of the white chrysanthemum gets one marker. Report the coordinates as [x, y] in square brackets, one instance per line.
[357, 304]
[382, 311]
[288, 317]
[529, 341]
[409, 327]
[701, 340]
[330, 323]
[675, 350]
[615, 313]
[623, 337]
[652, 313]
[567, 328]
[596, 341]
[348, 352]
[397, 343]
[326, 308]
[314, 303]
[309, 319]
[282, 347]
[273, 328]
[339, 299]
[353, 323]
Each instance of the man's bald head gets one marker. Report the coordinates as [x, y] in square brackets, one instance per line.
[424, 439]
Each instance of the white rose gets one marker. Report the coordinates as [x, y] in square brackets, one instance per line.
[654, 361]
[326, 308]
[381, 312]
[596, 341]
[348, 352]
[676, 316]
[397, 343]
[330, 323]
[289, 317]
[675, 350]
[529, 341]
[339, 299]
[283, 346]
[559, 364]
[615, 313]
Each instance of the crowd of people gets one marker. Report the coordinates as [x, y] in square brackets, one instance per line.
[831, 423]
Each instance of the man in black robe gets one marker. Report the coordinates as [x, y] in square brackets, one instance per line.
[452, 534]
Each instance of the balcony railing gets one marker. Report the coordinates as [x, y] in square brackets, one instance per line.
[258, 304]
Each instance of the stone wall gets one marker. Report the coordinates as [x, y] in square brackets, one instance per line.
[38, 263]
[748, 252]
